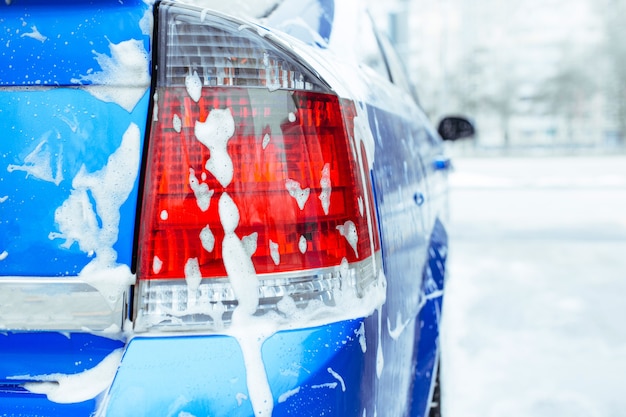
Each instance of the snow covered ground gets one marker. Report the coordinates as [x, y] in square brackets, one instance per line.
[534, 321]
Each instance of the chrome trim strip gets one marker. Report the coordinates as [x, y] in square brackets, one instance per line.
[57, 304]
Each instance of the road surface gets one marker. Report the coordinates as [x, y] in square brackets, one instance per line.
[534, 320]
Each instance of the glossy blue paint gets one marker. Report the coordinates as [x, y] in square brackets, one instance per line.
[53, 133]
[401, 189]
[429, 319]
[49, 134]
[205, 375]
[26, 355]
[54, 44]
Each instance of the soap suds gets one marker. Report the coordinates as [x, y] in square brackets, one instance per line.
[302, 244]
[326, 188]
[34, 34]
[361, 334]
[283, 397]
[95, 227]
[329, 385]
[274, 253]
[201, 191]
[127, 65]
[193, 277]
[250, 243]
[215, 134]
[237, 262]
[266, 140]
[194, 86]
[157, 264]
[251, 333]
[348, 230]
[76, 388]
[338, 378]
[400, 326]
[39, 163]
[380, 360]
[240, 397]
[207, 238]
[295, 190]
[177, 124]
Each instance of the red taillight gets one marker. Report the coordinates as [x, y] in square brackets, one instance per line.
[243, 180]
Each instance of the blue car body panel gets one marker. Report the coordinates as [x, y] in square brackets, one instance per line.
[28, 355]
[42, 154]
[347, 368]
[54, 43]
[51, 133]
[313, 371]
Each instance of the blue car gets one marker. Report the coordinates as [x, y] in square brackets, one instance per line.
[215, 209]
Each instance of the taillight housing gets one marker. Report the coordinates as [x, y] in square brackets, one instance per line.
[255, 194]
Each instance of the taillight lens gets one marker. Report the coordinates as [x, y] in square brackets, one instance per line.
[254, 190]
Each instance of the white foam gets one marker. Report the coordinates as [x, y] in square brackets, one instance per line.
[240, 397]
[338, 378]
[194, 86]
[207, 238]
[155, 107]
[274, 252]
[283, 397]
[361, 334]
[147, 21]
[35, 34]
[200, 190]
[177, 124]
[239, 267]
[76, 388]
[215, 134]
[157, 264]
[295, 190]
[193, 278]
[302, 244]
[266, 140]
[250, 243]
[39, 163]
[76, 218]
[251, 332]
[380, 360]
[348, 230]
[329, 385]
[400, 326]
[326, 188]
[125, 76]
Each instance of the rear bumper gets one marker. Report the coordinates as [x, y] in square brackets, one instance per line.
[316, 371]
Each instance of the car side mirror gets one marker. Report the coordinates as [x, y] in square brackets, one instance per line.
[453, 128]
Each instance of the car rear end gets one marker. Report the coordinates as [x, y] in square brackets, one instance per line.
[193, 218]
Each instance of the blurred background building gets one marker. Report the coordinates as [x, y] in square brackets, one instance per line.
[534, 74]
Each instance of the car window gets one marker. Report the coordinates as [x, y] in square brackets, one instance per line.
[354, 39]
[396, 67]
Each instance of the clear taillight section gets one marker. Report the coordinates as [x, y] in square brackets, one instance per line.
[253, 182]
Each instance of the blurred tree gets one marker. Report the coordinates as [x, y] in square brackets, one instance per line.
[612, 13]
[569, 91]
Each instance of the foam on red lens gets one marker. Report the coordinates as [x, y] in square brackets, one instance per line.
[279, 136]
